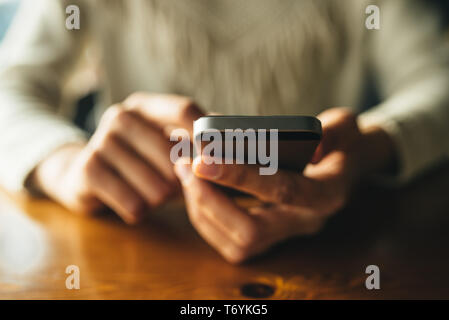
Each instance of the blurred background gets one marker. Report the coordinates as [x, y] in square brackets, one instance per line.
[403, 219]
[82, 87]
[7, 10]
[9, 7]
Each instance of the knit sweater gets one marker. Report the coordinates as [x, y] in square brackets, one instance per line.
[234, 57]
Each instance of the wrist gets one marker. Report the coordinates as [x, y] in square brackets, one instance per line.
[378, 152]
[46, 176]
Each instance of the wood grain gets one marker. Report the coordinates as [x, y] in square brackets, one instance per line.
[404, 232]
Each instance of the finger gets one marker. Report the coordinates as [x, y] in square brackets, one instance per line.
[145, 139]
[296, 221]
[113, 191]
[335, 124]
[219, 208]
[139, 175]
[318, 154]
[165, 109]
[284, 187]
[213, 235]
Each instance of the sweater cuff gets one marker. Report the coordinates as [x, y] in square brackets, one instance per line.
[415, 148]
[23, 157]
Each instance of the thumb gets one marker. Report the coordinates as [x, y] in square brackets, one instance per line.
[183, 170]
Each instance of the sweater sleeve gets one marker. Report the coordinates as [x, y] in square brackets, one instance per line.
[35, 57]
[410, 60]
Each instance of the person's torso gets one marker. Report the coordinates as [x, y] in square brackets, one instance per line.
[234, 57]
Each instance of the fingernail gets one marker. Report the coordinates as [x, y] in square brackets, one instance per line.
[202, 169]
[183, 171]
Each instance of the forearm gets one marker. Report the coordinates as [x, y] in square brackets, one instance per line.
[378, 154]
[34, 64]
[412, 80]
[415, 119]
[30, 134]
[46, 177]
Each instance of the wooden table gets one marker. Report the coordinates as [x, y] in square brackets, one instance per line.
[404, 232]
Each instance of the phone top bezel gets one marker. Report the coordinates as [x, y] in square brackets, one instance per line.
[283, 123]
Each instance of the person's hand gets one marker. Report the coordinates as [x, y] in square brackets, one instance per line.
[126, 164]
[293, 203]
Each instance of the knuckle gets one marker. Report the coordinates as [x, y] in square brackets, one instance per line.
[186, 107]
[111, 113]
[346, 117]
[159, 198]
[249, 236]
[134, 97]
[135, 207]
[117, 117]
[123, 119]
[185, 103]
[337, 118]
[236, 256]
[92, 165]
[105, 143]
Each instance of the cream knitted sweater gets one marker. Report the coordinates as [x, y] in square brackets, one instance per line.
[233, 57]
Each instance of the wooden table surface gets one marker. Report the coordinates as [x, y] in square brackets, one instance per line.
[404, 232]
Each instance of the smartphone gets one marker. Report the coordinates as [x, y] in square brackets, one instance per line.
[297, 138]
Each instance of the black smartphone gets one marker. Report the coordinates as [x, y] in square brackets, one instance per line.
[297, 137]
